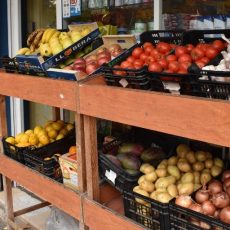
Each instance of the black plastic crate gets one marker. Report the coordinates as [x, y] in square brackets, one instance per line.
[45, 159]
[152, 214]
[9, 64]
[180, 219]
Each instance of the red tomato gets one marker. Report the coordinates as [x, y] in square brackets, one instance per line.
[197, 53]
[185, 58]
[168, 71]
[173, 66]
[144, 56]
[189, 47]
[201, 46]
[179, 50]
[163, 63]
[126, 65]
[130, 59]
[218, 44]
[184, 66]
[148, 49]
[163, 47]
[205, 60]
[173, 46]
[137, 52]
[211, 52]
[149, 59]
[118, 72]
[200, 64]
[171, 57]
[155, 67]
[182, 71]
[156, 55]
[147, 44]
[138, 62]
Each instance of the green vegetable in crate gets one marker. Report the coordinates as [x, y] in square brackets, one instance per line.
[130, 161]
[153, 153]
[136, 149]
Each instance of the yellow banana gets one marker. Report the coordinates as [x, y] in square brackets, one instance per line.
[50, 34]
[56, 34]
[22, 51]
[45, 34]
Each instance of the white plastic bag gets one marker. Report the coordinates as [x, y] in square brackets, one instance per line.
[59, 220]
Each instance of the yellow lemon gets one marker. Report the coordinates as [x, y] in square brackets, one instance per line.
[42, 132]
[37, 129]
[29, 132]
[52, 140]
[39, 145]
[33, 140]
[63, 131]
[59, 136]
[23, 144]
[44, 140]
[52, 133]
[61, 122]
[57, 126]
[48, 128]
[18, 137]
[10, 140]
[69, 126]
[24, 138]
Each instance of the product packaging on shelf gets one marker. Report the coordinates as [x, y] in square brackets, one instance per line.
[37, 65]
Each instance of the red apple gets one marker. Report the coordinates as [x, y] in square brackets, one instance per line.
[79, 66]
[90, 58]
[101, 50]
[90, 68]
[104, 54]
[79, 61]
[103, 60]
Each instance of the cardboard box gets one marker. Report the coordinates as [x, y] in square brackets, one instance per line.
[37, 65]
[69, 171]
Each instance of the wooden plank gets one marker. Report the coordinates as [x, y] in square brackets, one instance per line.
[3, 123]
[8, 200]
[57, 93]
[45, 188]
[31, 208]
[191, 117]
[90, 131]
[56, 113]
[98, 217]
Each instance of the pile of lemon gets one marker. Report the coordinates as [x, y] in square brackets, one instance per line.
[41, 136]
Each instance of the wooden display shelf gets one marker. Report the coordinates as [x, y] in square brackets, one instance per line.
[45, 188]
[52, 92]
[191, 117]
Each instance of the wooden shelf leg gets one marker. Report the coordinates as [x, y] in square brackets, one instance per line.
[55, 113]
[92, 172]
[8, 201]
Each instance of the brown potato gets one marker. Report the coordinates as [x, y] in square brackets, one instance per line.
[182, 149]
[174, 171]
[161, 172]
[198, 166]
[172, 190]
[196, 177]
[187, 178]
[147, 186]
[201, 156]
[164, 197]
[152, 176]
[190, 157]
[172, 160]
[185, 189]
[184, 166]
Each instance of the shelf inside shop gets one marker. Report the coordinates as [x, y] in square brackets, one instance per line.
[191, 117]
[52, 92]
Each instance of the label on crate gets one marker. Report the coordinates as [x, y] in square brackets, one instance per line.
[123, 82]
[173, 87]
[74, 179]
[111, 175]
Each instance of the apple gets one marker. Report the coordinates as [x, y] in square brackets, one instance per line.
[90, 58]
[104, 54]
[79, 67]
[90, 68]
[103, 60]
[101, 50]
[79, 60]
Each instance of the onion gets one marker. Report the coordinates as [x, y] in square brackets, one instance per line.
[226, 182]
[225, 215]
[184, 201]
[204, 225]
[215, 186]
[226, 174]
[221, 200]
[196, 207]
[227, 190]
[208, 208]
[201, 195]
[114, 49]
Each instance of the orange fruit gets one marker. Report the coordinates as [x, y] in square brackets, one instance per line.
[73, 150]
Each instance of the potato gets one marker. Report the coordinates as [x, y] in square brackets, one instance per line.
[205, 177]
[161, 190]
[174, 171]
[182, 160]
[147, 186]
[187, 178]
[162, 182]
[185, 189]
[190, 157]
[161, 172]
[171, 179]
[172, 190]
[181, 150]
[153, 195]
[208, 163]
[196, 177]
[161, 166]
[206, 171]
[143, 166]
[198, 166]
[201, 156]
[165, 162]
[136, 188]
[152, 176]
[172, 160]
[208, 155]
[196, 187]
[143, 193]
[218, 162]
[142, 178]
[148, 169]
[164, 197]
[184, 166]
[216, 170]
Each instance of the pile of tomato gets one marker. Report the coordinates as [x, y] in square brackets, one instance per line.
[171, 58]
